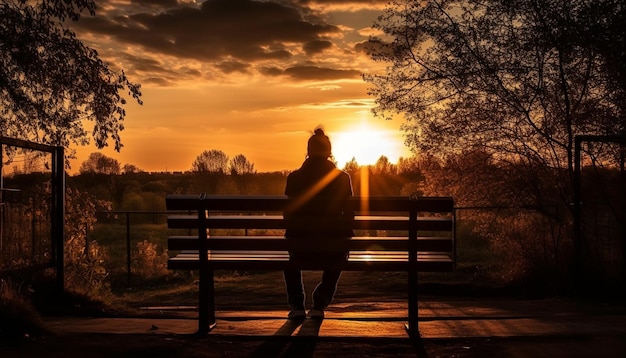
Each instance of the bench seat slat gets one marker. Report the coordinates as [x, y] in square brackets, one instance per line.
[426, 263]
[424, 243]
[373, 256]
[362, 254]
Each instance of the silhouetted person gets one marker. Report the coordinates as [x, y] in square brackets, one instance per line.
[317, 192]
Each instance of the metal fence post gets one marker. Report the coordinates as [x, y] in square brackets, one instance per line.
[58, 213]
[128, 258]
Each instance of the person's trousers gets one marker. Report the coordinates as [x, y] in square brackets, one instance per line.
[324, 291]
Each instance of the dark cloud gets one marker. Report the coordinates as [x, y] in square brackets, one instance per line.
[374, 46]
[243, 29]
[145, 64]
[192, 72]
[233, 66]
[159, 81]
[156, 3]
[151, 70]
[156, 72]
[316, 46]
[230, 35]
[308, 73]
[359, 3]
[271, 71]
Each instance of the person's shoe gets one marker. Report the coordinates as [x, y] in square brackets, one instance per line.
[297, 314]
[316, 313]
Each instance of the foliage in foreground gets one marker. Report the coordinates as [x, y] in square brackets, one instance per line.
[85, 259]
[51, 84]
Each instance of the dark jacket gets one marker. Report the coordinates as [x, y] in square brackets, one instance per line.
[318, 191]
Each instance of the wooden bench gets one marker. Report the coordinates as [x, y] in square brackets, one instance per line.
[393, 233]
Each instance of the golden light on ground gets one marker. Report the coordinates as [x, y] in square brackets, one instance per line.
[366, 143]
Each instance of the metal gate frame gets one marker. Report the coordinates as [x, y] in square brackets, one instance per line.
[57, 213]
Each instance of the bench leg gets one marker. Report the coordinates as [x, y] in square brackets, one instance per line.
[206, 302]
[412, 325]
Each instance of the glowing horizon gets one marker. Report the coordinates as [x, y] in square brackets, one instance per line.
[366, 143]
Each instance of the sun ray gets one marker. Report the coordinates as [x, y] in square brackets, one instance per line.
[300, 200]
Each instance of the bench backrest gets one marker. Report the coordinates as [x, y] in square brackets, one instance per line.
[429, 218]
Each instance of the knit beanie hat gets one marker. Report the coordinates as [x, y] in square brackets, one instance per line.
[319, 144]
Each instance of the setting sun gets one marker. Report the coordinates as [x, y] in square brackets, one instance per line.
[366, 144]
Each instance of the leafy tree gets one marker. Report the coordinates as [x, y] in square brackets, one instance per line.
[100, 164]
[240, 165]
[352, 167]
[241, 171]
[131, 169]
[409, 168]
[212, 161]
[384, 166]
[50, 82]
[519, 79]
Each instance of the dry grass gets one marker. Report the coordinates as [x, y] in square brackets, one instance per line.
[18, 318]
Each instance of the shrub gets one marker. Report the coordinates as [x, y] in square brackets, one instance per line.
[148, 262]
[84, 260]
[527, 248]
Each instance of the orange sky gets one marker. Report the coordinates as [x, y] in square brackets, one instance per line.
[245, 77]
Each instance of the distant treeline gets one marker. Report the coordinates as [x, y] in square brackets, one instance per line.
[146, 191]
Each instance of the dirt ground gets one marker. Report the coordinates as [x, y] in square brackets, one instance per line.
[365, 320]
[147, 345]
[459, 327]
